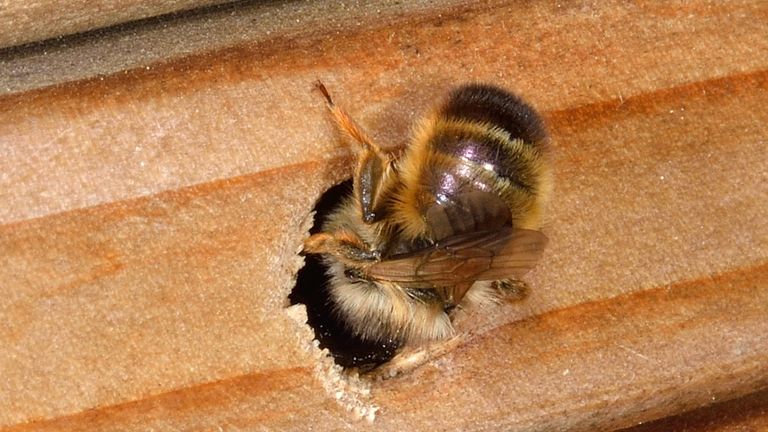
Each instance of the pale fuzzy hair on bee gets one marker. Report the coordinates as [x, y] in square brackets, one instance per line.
[378, 310]
[527, 209]
[482, 294]
[363, 304]
[347, 216]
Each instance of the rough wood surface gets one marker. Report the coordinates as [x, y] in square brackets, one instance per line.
[747, 414]
[149, 223]
[591, 367]
[28, 21]
[143, 44]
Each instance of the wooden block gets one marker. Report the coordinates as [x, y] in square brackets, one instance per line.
[595, 366]
[150, 223]
[749, 413]
[36, 20]
[144, 44]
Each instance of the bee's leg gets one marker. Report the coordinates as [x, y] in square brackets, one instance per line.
[320, 243]
[409, 358]
[511, 289]
[373, 163]
[342, 244]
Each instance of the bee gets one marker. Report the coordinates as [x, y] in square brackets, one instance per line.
[450, 221]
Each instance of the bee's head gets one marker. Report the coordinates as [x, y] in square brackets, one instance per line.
[344, 245]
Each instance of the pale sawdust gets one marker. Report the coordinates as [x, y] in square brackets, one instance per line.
[347, 388]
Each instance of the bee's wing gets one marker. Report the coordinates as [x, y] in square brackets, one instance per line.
[460, 260]
[467, 212]
[518, 256]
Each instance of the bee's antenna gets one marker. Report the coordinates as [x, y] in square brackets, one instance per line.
[346, 123]
[320, 86]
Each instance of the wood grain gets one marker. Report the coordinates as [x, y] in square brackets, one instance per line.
[749, 413]
[36, 20]
[145, 43]
[150, 220]
[594, 366]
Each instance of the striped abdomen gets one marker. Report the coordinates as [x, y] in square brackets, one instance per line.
[477, 163]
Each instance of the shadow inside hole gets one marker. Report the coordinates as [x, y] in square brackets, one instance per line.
[311, 290]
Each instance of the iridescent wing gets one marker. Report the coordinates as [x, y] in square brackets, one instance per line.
[452, 265]
[467, 212]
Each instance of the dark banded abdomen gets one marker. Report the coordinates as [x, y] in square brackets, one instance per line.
[485, 153]
[477, 163]
[487, 104]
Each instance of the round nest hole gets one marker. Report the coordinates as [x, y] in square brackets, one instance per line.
[348, 350]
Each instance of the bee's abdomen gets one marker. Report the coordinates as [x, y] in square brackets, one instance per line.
[483, 141]
[491, 105]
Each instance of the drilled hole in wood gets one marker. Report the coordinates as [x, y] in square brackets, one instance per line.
[311, 290]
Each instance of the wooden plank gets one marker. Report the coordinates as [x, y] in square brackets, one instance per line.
[121, 301]
[149, 223]
[36, 20]
[143, 44]
[163, 132]
[594, 366]
[749, 413]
